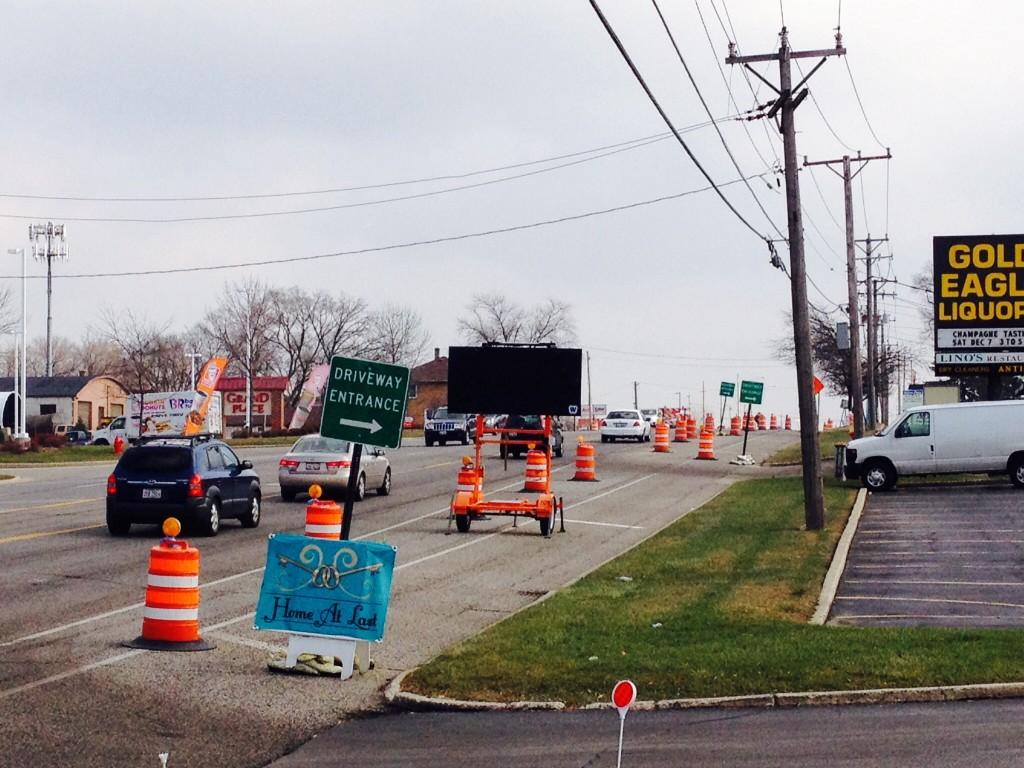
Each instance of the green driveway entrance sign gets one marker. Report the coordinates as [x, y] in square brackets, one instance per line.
[751, 392]
[364, 402]
[728, 389]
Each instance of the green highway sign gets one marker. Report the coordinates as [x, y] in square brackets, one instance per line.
[751, 392]
[364, 402]
[728, 389]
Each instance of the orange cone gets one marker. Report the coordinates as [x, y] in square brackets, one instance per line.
[661, 444]
[706, 449]
[586, 462]
[536, 471]
[170, 619]
[323, 518]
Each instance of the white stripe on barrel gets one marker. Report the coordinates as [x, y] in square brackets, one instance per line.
[170, 614]
[314, 528]
[173, 582]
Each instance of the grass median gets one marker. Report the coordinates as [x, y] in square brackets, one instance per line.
[65, 454]
[790, 455]
[717, 604]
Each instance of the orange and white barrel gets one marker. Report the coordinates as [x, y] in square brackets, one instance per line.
[470, 481]
[661, 444]
[709, 423]
[681, 432]
[171, 614]
[323, 519]
[691, 428]
[789, 422]
[706, 447]
[586, 462]
[762, 422]
[773, 423]
[536, 479]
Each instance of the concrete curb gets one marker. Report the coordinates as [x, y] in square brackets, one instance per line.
[400, 699]
[830, 585]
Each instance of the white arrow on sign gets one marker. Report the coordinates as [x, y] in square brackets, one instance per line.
[373, 426]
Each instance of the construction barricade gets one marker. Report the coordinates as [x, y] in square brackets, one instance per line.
[170, 618]
[586, 462]
[706, 447]
[661, 444]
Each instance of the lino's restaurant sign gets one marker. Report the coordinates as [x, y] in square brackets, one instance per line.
[979, 303]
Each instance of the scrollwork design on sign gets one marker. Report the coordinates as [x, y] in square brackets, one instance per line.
[328, 576]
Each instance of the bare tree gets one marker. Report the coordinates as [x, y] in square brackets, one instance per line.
[340, 325]
[96, 354]
[551, 321]
[493, 317]
[293, 337]
[243, 327]
[65, 357]
[397, 335]
[142, 348]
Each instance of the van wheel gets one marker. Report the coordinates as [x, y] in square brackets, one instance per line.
[878, 476]
[1016, 469]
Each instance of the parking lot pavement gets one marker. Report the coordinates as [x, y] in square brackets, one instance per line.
[936, 556]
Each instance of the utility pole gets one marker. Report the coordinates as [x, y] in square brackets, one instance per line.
[853, 310]
[786, 104]
[52, 251]
[869, 249]
[636, 399]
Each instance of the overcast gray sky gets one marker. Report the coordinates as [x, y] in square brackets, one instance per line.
[220, 99]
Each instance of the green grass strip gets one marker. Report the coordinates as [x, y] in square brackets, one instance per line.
[60, 455]
[827, 440]
[717, 606]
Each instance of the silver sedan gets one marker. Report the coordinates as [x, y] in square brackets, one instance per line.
[327, 462]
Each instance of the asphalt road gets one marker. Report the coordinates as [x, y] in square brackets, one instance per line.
[936, 556]
[954, 735]
[70, 694]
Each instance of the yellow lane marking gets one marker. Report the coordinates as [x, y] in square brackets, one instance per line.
[42, 534]
[54, 505]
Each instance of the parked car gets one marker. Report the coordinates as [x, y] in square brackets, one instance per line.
[625, 424]
[327, 461]
[530, 422]
[440, 426]
[197, 479]
[78, 436]
[938, 439]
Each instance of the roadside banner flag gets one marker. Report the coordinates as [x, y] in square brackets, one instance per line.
[311, 389]
[819, 385]
[209, 376]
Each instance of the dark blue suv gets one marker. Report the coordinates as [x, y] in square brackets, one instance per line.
[197, 479]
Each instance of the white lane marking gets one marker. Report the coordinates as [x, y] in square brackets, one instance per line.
[847, 617]
[929, 565]
[939, 583]
[233, 577]
[945, 541]
[53, 505]
[69, 673]
[607, 525]
[932, 600]
[257, 644]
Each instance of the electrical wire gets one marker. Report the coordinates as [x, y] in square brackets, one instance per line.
[380, 248]
[707, 109]
[663, 356]
[650, 95]
[339, 207]
[846, 60]
[817, 106]
[828, 208]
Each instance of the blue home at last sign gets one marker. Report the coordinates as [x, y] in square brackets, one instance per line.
[364, 402]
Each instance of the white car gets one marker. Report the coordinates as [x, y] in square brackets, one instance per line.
[625, 424]
[651, 414]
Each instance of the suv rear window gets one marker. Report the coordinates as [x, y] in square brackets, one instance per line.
[158, 459]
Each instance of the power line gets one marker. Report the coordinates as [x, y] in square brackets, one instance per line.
[650, 95]
[391, 247]
[828, 208]
[824, 119]
[707, 109]
[663, 356]
[339, 207]
[856, 93]
[642, 141]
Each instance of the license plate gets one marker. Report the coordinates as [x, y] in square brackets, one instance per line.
[620, 424]
[312, 466]
[152, 493]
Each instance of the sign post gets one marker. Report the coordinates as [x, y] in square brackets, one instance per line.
[623, 696]
[364, 403]
[726, 390]
[751, 393]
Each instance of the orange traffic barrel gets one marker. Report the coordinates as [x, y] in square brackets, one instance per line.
[586, 462]
[470, 479]
[536, 471]
[789, 422]
[734, 427]
[661, 444]
[773, 423]
[706, 448]
[762, 422]
[709, 423]
[829, 424]
[323, 518]
[681, 431]
[691, 428]
[170, 618]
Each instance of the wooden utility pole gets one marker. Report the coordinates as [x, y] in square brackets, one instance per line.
[786, 104]
[853, 310]
[872, 410]
[636, 395]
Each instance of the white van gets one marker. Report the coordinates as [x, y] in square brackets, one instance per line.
[938, 439]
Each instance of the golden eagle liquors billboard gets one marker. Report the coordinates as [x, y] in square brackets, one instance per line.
[979, 304]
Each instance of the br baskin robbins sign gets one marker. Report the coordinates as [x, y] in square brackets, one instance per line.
[979, 303]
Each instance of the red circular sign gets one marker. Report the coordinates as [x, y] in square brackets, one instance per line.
[623, 694]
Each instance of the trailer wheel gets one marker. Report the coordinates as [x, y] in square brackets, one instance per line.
[462, 523]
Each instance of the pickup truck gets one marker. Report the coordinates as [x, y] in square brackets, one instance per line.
[441, 427]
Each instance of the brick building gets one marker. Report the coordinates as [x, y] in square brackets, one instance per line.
[428, 387]
[267, 402]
